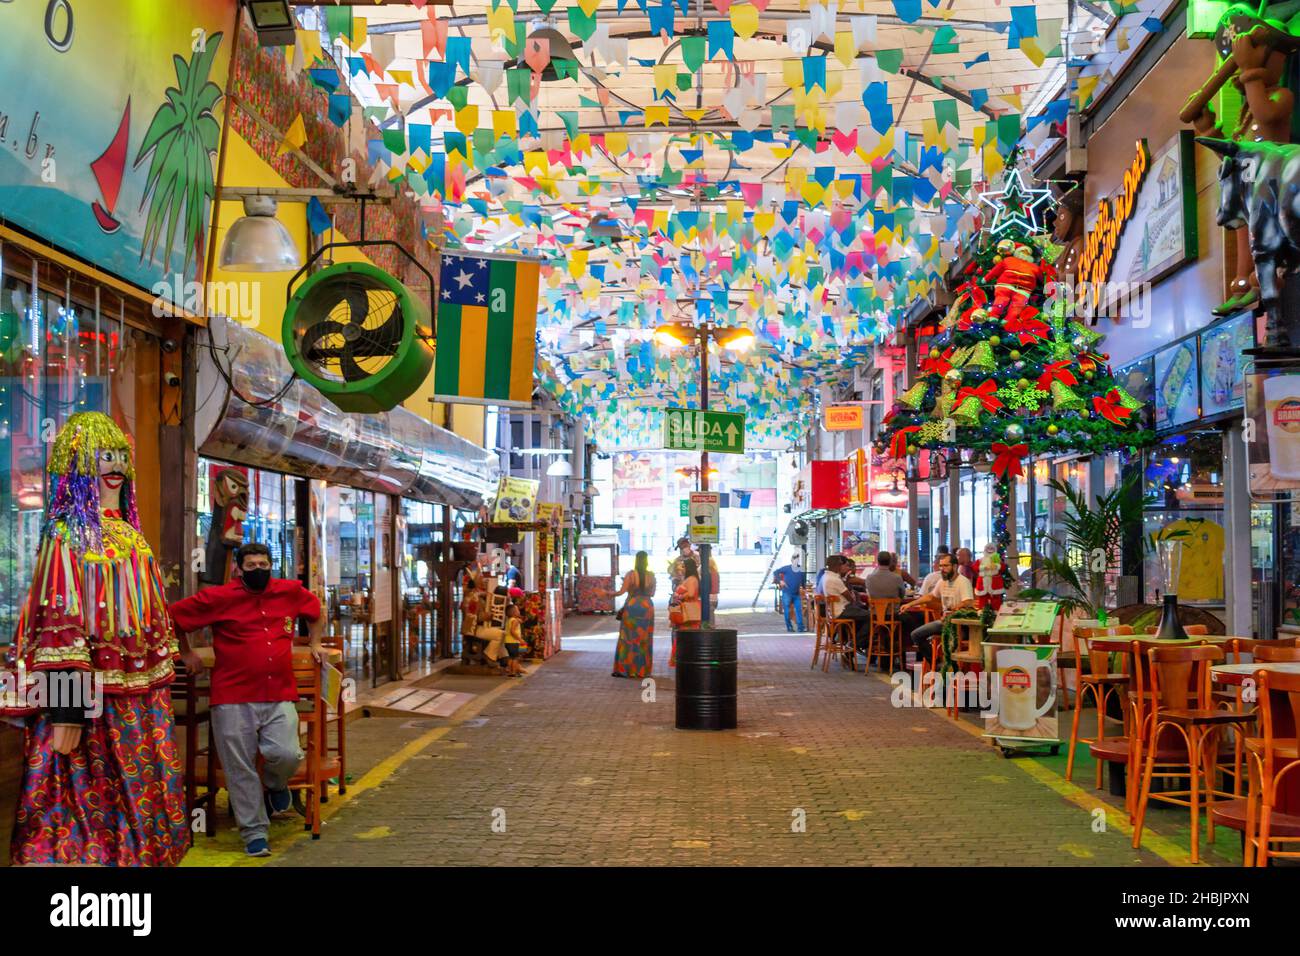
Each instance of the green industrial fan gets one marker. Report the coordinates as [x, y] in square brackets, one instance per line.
[358, 336]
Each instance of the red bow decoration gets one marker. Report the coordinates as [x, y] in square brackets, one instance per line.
[937, 366]
[1027, 326]
[986, 393]
[898, 444]
[970, 288]
[1006, 461]
[1056, 372]
[1110, 408]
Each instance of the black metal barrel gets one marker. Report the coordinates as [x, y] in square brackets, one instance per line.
[706, 679]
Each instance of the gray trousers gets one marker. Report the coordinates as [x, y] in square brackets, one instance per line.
[241, 732]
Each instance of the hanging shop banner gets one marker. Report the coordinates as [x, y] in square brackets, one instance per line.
[887, 482]
[486, 327]
[516, 500]
[550, 513]
[1025, 676]
[843, 418]
[1273, 424]
[110, 124]
[859, 490]
[705, 508]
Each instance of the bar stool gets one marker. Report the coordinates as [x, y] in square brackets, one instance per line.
[841, 637]
[886, 633]
[1098, 681]
[1180, 701]
[818, 617]
[1270, 758]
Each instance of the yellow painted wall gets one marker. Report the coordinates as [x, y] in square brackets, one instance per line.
[245, 168]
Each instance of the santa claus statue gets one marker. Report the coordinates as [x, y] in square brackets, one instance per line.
[1017, 276]
[989, 582]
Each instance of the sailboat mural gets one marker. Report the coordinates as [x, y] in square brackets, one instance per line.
[108, 170]
[115, 161]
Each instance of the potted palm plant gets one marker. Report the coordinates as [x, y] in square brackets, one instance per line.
[1085, 548]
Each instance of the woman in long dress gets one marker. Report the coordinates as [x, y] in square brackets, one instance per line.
[634, 655]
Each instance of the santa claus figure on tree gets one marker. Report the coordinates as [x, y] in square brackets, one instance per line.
[1012, 372]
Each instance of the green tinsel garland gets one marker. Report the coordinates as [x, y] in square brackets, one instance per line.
[949, 633]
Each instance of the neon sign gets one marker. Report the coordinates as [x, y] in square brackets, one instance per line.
[1113, 214]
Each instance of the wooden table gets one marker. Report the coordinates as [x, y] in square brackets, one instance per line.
[1120, 642]
[1237, 674]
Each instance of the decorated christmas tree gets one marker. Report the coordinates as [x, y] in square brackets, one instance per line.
[1011, 373]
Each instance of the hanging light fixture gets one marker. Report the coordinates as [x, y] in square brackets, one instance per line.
[258, 242]
[560, 468]
[559, 47]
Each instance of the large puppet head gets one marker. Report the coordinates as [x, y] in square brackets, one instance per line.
[91, 460]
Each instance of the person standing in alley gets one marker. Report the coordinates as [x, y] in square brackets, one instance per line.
[253, 620]
[634, 653]
[789, 579]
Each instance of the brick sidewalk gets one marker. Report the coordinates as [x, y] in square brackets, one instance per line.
[582, 771]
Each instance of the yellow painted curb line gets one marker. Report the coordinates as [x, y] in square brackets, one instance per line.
[1163, 847]
[202, 856]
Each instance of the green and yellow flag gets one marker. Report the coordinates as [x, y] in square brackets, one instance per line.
[487, 321]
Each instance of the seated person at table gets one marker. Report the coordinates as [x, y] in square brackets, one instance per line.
[931, 581]
[952, 592]
[840, 601]
[254, 693]
[883, 581]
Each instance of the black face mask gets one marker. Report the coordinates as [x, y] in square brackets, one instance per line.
[256, 579]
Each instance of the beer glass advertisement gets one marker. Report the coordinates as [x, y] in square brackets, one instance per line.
[1223, 364]
[1025, 678]
[1177, 397]
[1273, 420]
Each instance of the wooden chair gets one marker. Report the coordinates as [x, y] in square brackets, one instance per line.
[317, 766]
[190, 705]
[1181, 702]
[818, 619]
[841, 639]
[1098, 681]
[1271, 758]
[886, 634]
[337, 720]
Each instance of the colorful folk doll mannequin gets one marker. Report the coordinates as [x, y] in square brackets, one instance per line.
[102, 779]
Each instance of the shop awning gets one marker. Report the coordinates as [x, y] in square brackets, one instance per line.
[242, 417]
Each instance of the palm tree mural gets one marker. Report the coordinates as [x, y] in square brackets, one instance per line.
[182, 138]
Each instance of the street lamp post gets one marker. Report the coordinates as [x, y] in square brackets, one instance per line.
[706, 549]
[701, 334]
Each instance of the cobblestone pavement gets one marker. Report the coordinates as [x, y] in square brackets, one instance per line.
[577, 768]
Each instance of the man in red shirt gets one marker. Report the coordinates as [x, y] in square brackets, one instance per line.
[253, 620]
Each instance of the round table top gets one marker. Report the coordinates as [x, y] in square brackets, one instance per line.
[1121, 642]
[300, 653]
[1239, 673]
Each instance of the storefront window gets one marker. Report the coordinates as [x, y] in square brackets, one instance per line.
[1183, 484]
[60, 355]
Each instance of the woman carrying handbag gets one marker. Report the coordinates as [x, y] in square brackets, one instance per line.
[685, 611]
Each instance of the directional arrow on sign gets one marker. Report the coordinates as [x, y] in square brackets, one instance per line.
[688, 429]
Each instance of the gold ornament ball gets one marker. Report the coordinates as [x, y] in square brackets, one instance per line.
[1015, 432]
[953, 375]
[1023, 384]
[912, 449]
[1052, 429]
[935, 353]
[995, 341]
[1015, 354]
